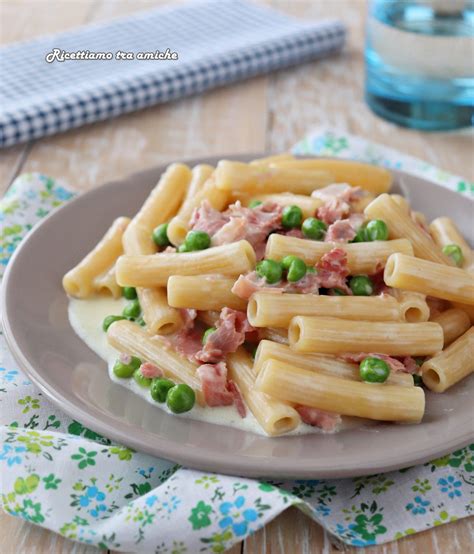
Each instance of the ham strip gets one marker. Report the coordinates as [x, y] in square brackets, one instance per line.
[214, 384]
[327, 421]
[238, 400]
[228, 336]
[337, 200]
[332, 270]
[246, 285]
[340, 231]
[207, 219]
[150, 371]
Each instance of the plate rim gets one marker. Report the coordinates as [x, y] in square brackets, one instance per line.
[192, 457]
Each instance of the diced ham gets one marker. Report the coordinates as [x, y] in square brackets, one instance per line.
[246, 285]
[340, 231]
[228, 336]
[232, 231]
[207, 219]
[238, 400]
[188, 315]
[332, 270]
[214, 384]
[327, 421]
[357, 357]
[150, 371]
[257, 223]
[187, 342]
[337, 200]
[297, 233]
[410, 365]
[378, 282]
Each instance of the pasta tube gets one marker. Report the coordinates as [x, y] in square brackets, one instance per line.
[320, 363]
[332, 336]
[369, 177]
[441, 281]
[274, 416]
[275, 334]
[200, 175]
[307, 204]
[402, 202]
[413, 305]
[401, 225]
[444, 232]
[107, 283]
[362, 257]
[341, 396]
[79, 281]
[152, 271]
[130, 338]
[158, 315]
[266, 309]
[241, 178]
[179, 225]
[203, 292]
[454, 322]
[451, 365]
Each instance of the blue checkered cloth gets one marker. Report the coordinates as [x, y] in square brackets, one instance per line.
[217, 42]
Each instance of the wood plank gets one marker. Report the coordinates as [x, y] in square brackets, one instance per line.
[21, 537]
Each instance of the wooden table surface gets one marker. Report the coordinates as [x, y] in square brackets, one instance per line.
[265, 113]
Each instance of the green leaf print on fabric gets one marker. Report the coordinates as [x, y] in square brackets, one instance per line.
[85, 458]
[28, 485]
[51, 482]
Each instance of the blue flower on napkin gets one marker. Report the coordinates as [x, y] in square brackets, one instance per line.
[418, 506]
[450, 486]
[233, 516]
[10, 454]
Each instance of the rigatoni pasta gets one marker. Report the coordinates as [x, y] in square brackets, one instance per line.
[450, 366]
[361, 257]
[439, 280]
[454, 323]
[333, 336]
[79, 281]
[204, 292]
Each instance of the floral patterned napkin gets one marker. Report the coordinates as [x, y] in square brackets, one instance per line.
[58, 474]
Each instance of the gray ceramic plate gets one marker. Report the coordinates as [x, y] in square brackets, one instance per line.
[75, 379]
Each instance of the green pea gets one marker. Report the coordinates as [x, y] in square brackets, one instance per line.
[314, 228]
[417, 380]
[297, 270]
[255, 203]
[361, 235]
[130, 293]
[271, 270]
[132, 309]
[125, 371]
[374, 370]
[361, 285]
[140, 321]
[338, 292]
[160, 235]
[180, 399]
[197, 240]
[455, 253]
[109, 320]
[159, 389]
[183, 248]
[376, 230]
[207, 333]
[292, 217]
[287, 261]
[140, 379]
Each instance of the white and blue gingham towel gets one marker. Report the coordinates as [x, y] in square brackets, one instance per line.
[217, 42]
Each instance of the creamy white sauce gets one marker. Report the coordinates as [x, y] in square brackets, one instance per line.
[86, 317]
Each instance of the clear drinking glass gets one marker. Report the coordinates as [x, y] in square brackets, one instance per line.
[420, 62]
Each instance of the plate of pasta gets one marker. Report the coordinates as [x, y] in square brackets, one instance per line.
[274, 316]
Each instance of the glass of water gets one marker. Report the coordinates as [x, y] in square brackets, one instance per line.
[420, 62]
